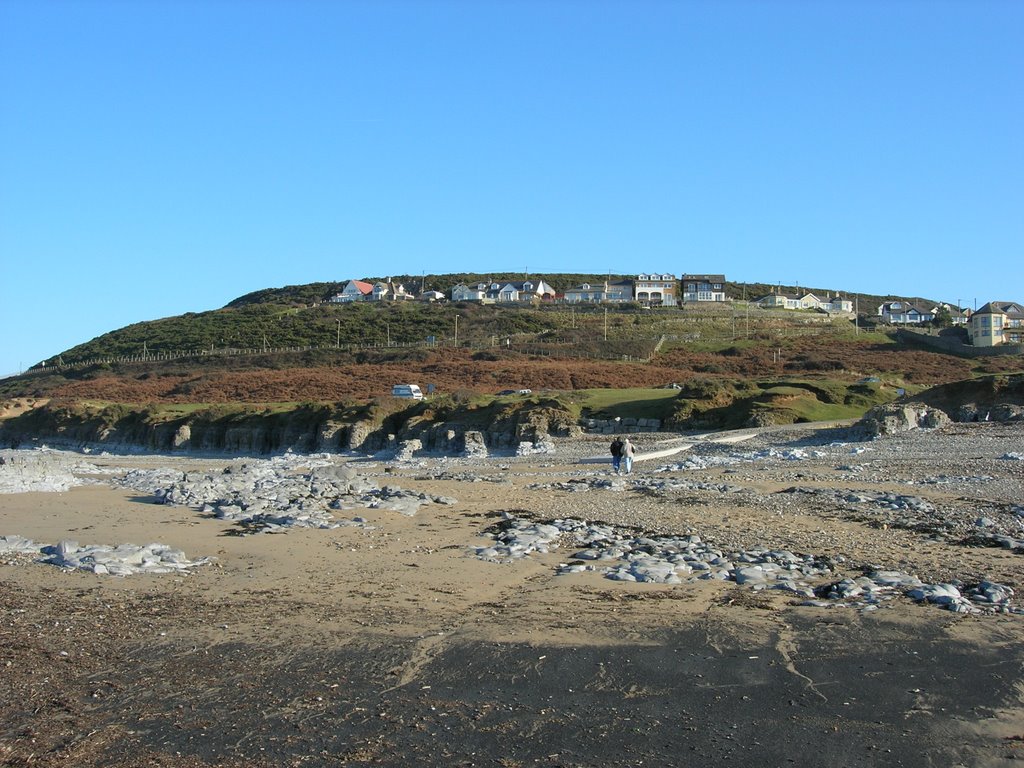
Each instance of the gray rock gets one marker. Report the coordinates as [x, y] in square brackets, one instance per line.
[473, 446]
[893, 418]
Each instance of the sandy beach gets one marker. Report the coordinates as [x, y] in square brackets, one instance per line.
[392, 641]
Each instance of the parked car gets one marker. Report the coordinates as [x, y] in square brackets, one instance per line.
[410, 391]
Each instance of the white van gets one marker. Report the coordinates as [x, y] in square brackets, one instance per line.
[411, 391]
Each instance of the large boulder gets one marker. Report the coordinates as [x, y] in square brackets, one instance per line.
[1006, 412]
[329, 435]
[361, 435]
[182, 436]
[408, 449]
[474, 446]
[892, 418]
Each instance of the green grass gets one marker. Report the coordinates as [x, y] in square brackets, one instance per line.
[641, 403]
[826, 400]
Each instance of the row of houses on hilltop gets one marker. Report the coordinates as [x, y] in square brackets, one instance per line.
[386, 290]
[504, 292]
[654, 289]
[998, 322]
[995, 323]
[659, 290]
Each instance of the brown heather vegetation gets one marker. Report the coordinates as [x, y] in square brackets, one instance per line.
[460, 370]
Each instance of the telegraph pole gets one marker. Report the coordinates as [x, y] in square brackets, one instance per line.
[746, 326]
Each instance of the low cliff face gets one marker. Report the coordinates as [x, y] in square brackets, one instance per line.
[118, 426]
[305, 429]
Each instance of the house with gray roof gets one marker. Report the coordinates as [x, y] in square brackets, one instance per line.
[998, 322]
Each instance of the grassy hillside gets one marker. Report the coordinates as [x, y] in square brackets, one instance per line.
[296, 316]
[273, 326]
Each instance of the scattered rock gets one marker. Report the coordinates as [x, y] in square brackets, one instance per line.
[120, 560]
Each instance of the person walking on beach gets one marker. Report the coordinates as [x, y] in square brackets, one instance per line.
[628, 452]
[616, 449]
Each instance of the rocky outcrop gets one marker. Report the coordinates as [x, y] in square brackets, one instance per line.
[474, 445]
[309, 428]
[997, 412]
[892, 418]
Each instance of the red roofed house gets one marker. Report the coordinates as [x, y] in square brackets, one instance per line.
[356, 290]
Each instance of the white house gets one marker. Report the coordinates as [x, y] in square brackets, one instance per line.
[390, 291]
[617, 292]
[473, 292]
[703, 288]
[778, 300]
[905, 313]
[837, 304]
[998, 322]
[521, 290]
[957, 315]
[431, 296]
[355, 290]
[790, 301]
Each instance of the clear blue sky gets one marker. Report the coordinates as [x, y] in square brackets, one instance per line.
[164, 157]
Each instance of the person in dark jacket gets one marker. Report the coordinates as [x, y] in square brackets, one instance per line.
[616, 449]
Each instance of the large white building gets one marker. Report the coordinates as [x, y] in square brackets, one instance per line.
[655, 290]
